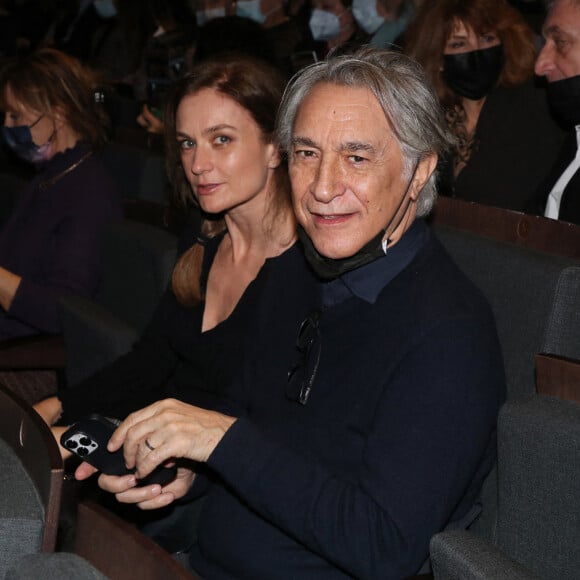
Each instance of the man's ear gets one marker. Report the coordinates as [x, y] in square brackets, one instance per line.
[424, 171]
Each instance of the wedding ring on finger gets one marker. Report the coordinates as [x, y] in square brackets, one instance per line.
[149, 446]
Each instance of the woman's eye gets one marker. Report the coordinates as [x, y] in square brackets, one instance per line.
[455, 45]
[222, 140]
[489, 38]
[185, 144]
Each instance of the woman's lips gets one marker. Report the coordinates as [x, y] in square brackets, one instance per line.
[206, 188]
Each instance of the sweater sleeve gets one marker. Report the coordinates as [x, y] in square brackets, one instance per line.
[432, 430]
[74, 262]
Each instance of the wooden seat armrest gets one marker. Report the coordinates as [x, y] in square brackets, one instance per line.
[45, 351]
[558, 376]
[119, 550]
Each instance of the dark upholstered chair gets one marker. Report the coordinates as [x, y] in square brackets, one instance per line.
[139, 173]
[31, 473]
[531, 290]
[105, 547]
[137, 263]
[538, 524]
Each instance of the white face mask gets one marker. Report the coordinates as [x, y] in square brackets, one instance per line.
[250, 9]
[366, 15]
[204, 16]
[324, 25]
[105, 8]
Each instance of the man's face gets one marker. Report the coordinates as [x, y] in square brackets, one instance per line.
[560, 57]
[346, 170]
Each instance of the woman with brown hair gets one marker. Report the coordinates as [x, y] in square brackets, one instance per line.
[223, 158]
[49, 246]
[479, 56]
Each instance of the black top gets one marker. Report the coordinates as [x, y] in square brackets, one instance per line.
[518, 142]
[173, 358]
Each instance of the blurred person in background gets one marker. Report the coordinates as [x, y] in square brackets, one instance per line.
[383, 20]
[558, 197]
[50, 244]
[479, 56]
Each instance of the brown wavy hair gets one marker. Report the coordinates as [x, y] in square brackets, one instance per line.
[427, 35]
[48, 81]
[257, 87]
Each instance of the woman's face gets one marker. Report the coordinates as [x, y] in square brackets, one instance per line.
[464, 39]
[223, 153]
[17, 114]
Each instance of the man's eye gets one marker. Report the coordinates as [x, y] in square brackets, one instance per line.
[357, 159]
[304, 154]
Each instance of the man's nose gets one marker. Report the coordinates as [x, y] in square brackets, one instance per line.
[545, 61]
[326, 183]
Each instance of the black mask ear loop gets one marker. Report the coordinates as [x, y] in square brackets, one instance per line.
[387, 240]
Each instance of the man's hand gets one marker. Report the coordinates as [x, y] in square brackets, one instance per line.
[167, 430]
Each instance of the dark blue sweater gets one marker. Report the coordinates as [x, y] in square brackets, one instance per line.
[393, 443]
[52, 239]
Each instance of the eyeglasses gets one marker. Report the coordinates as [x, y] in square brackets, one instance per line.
[301, 377]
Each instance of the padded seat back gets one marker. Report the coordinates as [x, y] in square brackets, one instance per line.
[31, 473]
[21, 510]
[539, 485]
[530, 293]
[137, 263]
[521, 286]
[139, 173]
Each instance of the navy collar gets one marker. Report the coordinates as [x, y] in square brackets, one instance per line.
[368, 281]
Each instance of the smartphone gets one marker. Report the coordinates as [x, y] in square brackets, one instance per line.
[88, 438]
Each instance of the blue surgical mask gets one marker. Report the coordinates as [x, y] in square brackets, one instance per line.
[250, 9]
[324, 25]
[366, 15]
[105, 8]
[204, 16]
[19, 139]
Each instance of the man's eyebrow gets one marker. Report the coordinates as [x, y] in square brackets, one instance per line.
[303, 141]
[352, 146]
[552, 30]
[357, 146]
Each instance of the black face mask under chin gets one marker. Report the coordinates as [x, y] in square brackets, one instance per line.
[329, 268]
[473, 74]
[564, 99]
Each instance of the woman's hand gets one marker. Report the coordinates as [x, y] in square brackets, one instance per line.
[166, 430]
[148, 497]
[57, 433]
[50, 410]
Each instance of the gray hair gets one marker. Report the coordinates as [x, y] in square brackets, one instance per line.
[400, 86]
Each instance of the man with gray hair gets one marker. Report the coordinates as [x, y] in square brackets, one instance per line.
[369, 427]
[559, 61]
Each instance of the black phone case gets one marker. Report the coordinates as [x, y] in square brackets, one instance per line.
[88, 438]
